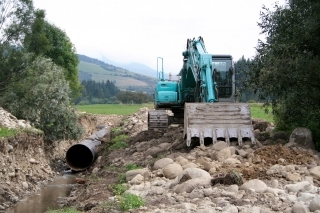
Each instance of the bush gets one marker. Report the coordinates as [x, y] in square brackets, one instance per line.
[43, 98]
[130, 201]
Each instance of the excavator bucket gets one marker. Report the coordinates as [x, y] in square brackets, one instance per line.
[217, 121]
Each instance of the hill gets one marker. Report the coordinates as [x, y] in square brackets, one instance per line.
[94, 69]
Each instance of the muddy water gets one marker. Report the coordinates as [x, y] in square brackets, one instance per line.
[46, 198]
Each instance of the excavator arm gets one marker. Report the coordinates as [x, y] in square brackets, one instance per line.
[199, 63]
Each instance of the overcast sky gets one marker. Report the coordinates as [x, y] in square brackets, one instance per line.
[139, 31]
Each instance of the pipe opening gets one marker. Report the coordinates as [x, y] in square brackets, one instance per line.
[79, 157]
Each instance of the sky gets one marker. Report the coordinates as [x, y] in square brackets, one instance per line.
[126, 31]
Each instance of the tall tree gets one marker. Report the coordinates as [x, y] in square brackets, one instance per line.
[15, 19]
[63, 53]
[285, 70]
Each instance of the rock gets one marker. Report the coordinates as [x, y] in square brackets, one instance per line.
[153, 151]
[315, 172]
[219, 145]
[132, 173]
[241, 152]
[172, 170]
[293, 177]
[191, 184]
[299, 208]
[258, 185]
[222, 155]
[302, 137]
[303, 186]
[159, 164]
[315, 204]
[25, 185]
[274, 183]
[270, 129]
[232, 161]
[32, 160]
[189, 165]
[137, 179]
[196, 193]
[95, 170]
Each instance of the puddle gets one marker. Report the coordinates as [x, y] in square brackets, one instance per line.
[46, 198]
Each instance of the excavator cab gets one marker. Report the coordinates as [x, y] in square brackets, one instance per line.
[224, 77]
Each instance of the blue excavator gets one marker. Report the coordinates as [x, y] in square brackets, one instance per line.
[203, 99]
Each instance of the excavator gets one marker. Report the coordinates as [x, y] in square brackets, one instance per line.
[202, 99]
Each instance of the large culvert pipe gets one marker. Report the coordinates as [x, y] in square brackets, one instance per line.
[80, 156]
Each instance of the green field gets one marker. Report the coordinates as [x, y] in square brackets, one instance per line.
[127, 109]
[258, 112]
[109, 109]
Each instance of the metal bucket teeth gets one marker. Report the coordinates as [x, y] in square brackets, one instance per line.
[217, 120]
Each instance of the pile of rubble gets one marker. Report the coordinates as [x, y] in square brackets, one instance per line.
[10, 121]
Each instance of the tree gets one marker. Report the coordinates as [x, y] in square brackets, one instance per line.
[15, 19]
[285, 71]
[42, 97]
[63, 53]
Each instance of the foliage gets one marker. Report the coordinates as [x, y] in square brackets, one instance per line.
[42, 97]
[108, 109]
[133, 97]
[15, 20]
[63, 53]
[14, 25]
[97, 92]
[118, 189]
[247, 94]
[64, 210]
[122, 178]
[285, 71]
[130, 201]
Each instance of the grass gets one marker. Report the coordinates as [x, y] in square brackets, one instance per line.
[64, 210]
[109, 109]
[119, 142]
[5, 132]
[130, 201]
[258, 112]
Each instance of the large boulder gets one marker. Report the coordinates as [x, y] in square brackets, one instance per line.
[132, 173]
[256, 184]
[172, 170]
[159, 164]
[302, 137]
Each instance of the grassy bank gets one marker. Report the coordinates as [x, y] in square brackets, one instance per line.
[127, 109]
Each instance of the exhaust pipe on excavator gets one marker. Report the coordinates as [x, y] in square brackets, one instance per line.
[80, 156]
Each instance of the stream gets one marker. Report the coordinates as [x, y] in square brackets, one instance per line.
[46, 198]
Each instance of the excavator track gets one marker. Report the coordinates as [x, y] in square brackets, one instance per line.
[217, 121]
[158, 119]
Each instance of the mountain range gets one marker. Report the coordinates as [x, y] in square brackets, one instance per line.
[132, 76]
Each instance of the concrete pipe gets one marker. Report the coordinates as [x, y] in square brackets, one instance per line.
[80, 156]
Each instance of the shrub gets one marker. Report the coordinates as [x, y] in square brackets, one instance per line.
[130, 201]
[118, 189]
